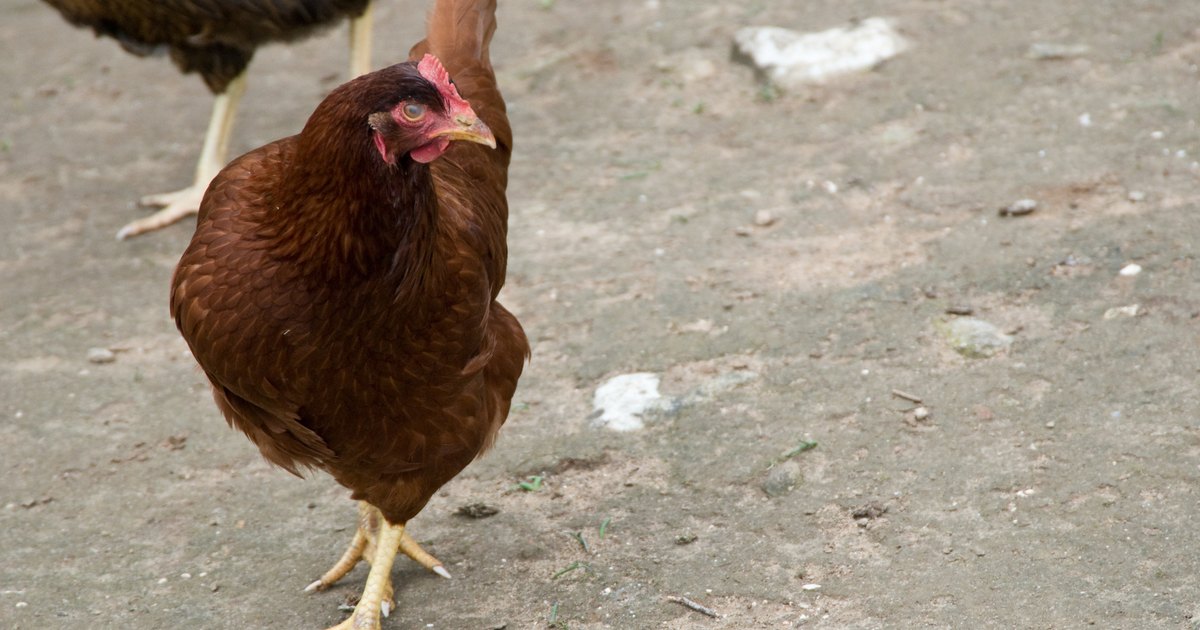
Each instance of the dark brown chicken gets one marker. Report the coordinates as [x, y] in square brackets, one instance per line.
[215, 38]
[340, 290]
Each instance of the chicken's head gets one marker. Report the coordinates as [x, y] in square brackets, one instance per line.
[429, 115]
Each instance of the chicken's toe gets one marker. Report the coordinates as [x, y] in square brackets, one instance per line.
[349, 559]
[175, 206]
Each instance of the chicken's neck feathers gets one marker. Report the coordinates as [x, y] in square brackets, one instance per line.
[353, 218]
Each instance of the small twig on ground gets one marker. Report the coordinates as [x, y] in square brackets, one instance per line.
[906, 396]
[687, 603]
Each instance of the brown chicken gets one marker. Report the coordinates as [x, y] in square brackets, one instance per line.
[340, 290]
[215, 38]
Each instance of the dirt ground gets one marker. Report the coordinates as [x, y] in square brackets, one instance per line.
[1051, 486]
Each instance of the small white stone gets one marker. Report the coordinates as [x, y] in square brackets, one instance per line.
[920, 413]
[1049, 50]
[1019, 207]
[1157, 135]
[764, 218]
[1085, 120]
[1122, 311]
[101, 355]
[1136, 196]
[1132, 269]
[811, 587]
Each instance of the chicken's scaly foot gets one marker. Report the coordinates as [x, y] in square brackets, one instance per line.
[379, 583]
[181, 203]
[348, 561]
[364, 547]
[175, 206]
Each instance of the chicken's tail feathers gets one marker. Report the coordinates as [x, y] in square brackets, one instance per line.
[459, 33]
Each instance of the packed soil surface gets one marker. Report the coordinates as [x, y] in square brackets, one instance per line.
[782, 261]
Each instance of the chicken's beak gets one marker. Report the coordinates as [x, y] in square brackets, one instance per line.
[467, 127]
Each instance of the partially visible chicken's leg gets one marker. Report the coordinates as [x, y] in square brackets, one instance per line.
[365, 546]
[181, 203]
[379, 581]
[360, 42]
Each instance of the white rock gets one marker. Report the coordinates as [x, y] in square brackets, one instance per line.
[1042, 50]
[101, 355]
[764, 218]
[1132, 269]
[1123, 311]
[1019, 207]
[624, 398]
[792, 59]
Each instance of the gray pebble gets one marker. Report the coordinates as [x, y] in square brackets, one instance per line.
[782, 479]
[974, 338]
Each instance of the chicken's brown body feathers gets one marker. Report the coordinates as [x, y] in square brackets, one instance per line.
[215, 38]
[345, 312]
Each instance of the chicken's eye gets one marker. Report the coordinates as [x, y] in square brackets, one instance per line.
[414, 111]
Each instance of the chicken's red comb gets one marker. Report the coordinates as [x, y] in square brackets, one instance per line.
[434, 72]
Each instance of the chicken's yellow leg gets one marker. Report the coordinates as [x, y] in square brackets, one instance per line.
[181, 203]
[366, 612]
[360, 42]
[364, 546]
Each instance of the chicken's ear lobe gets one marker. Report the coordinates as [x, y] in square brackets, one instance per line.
[380, 122]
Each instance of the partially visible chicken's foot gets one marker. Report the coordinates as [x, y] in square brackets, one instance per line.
[179, 204]
[364, 547]
[379, 582]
